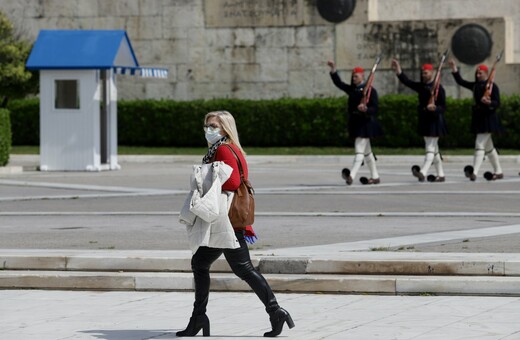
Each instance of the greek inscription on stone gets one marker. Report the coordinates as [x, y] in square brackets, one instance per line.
[409, 44]
[259, 13]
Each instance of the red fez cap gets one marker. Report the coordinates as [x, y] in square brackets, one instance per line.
[358, 70]
[482, 67]
[427, 67]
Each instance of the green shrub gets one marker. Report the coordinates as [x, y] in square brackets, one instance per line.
[280, 122]
[5, 137]
[285, 122]
[160, 123]
[398, 117]
[510, 114]
[25, 121]
[458, 117]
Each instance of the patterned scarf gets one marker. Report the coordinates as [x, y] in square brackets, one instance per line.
[211, 151]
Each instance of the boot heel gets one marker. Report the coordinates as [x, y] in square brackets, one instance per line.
[205, 330]
[278, 318]
[290, 322]
[196, 323]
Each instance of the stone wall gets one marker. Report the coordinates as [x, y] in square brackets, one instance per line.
[256, 49]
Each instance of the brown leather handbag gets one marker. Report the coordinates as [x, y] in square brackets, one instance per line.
[242, 210]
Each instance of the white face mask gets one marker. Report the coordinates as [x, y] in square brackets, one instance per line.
[213, 135]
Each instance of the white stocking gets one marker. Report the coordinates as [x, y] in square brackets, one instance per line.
[431, 147]
[493, 159]
[358, 160]
[370, 160]
[359, 146]
[437, 162]
[481, 142]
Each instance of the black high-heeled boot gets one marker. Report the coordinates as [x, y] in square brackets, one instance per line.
[278, 318]
[197, 322]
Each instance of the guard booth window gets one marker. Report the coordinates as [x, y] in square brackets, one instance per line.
[66, 94]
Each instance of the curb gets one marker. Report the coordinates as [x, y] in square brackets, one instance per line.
[355, 272]
[354, 263]
[290, 283]
[9, 170]
[398, 159]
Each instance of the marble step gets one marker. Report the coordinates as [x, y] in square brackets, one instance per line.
[297, 283]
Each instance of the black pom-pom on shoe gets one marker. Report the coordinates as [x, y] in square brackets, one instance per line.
[488, 175]
[416, 171]
[345, 174]
[468, 172]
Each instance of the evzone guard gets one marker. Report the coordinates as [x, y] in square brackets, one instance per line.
[484, 120]
[362, 109]
[431, 122]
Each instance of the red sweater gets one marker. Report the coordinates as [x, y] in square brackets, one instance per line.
[225, 155]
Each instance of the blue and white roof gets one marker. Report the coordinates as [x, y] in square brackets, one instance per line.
[88, 49]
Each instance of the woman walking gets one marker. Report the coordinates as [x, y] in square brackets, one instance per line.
[224, 146]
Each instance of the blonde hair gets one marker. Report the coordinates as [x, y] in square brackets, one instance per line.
[229, 126]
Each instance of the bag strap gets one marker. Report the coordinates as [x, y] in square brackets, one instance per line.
[238, 161]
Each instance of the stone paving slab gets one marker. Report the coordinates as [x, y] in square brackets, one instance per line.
[52, 315]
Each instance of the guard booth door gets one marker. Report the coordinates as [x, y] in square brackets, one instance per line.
[104, 121]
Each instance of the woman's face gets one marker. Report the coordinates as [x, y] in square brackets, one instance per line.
[213, 123]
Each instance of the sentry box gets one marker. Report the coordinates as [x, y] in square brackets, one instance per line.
[78, 96]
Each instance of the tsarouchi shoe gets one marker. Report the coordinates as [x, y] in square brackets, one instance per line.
[468, 172]
[368, 181]
[492, 177]
[434, 179]
[416, 171]
[345, 174]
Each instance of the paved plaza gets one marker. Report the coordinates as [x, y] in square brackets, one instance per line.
[53, 315]
[301, 201]
[304, 209]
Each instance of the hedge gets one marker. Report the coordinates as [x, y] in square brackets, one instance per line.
[25, 121]
[5, 137]
[280, 122]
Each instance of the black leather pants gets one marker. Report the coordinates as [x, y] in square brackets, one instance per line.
[240, 262]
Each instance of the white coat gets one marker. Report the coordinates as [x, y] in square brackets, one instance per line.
[205, 210]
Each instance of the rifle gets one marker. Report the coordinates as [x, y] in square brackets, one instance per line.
[491, 78]
[437, 80]
[368, 85]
